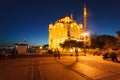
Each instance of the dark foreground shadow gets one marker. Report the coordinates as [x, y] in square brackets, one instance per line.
[71, 65]
[117, 61]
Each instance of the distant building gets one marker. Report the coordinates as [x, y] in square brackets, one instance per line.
[43, 48]
[21, 48]
[67, 28]
[38, 49]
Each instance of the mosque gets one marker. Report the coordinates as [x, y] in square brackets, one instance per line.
[66, 28]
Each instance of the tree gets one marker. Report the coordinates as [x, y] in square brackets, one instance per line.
[67, 44]
[118, 39]
[79, 44]
[109, 41]
[103, 41]
[118, 33]
[71, 43]
[95, 42]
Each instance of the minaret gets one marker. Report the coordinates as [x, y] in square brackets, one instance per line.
[85, 18]
[85, 28]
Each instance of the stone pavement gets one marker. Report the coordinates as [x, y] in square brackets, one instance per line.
[66, 68]
[94, 67]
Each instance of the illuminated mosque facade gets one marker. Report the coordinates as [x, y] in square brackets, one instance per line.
[67, 28]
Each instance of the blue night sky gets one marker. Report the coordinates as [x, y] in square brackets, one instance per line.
[29, 19]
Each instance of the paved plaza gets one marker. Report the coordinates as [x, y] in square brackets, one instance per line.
[66, 68]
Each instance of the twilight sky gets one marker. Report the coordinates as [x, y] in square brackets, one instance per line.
[29, 19]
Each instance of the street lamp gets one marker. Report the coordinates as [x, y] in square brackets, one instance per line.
[85, 40]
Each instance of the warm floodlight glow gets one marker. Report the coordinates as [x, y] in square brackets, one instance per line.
[71, 50]
[85, 40]
[86, 34]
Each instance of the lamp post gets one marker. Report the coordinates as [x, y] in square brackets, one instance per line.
[85, 40]
[76, 51]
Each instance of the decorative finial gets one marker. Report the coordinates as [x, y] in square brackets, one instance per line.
[71, 15]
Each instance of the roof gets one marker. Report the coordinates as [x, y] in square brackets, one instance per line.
[21, 44]
[66, 19]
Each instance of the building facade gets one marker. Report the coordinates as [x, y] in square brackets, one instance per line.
[67, 28]
[21, 48]
[64, 29]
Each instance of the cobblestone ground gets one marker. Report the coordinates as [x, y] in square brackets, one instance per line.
[94, 67]
[65, 68]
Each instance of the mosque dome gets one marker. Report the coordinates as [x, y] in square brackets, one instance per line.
[66, 19]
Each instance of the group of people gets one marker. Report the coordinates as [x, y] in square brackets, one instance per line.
[111, 55]
[57, 54]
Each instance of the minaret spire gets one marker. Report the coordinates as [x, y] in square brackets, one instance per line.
[71, 15]
[85, 18]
